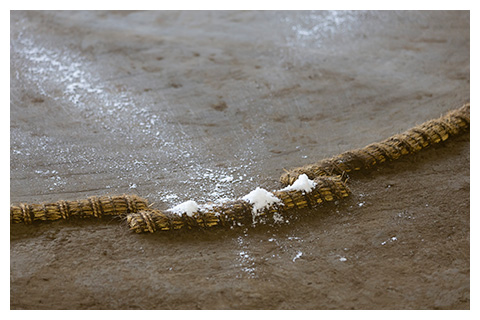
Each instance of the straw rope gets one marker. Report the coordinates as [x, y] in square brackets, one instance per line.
[411, 141]
[239, 212]
[96, 207]
[327, 185]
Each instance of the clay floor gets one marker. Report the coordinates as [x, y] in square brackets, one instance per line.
[175, 106]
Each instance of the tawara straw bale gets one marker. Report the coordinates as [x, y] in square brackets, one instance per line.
[409, 142]
[239, 211]
[327, 175]
[92, 207]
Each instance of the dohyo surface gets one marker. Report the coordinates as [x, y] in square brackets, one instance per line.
[208, 106]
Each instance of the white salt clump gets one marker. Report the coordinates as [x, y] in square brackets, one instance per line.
[303, 183]
[260, 199]
[189, 207]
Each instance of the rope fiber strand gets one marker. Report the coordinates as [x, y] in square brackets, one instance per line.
[324, 183]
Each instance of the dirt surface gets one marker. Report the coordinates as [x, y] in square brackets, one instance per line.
[176, 106]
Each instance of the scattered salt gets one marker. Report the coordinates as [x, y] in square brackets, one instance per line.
[303, 183]
[260, 199]
[277, 218]
[171, 196]
[189, 207]
[299, 254]
[226, 179]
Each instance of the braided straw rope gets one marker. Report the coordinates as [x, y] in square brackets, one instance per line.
[327, 186]
[409, 142]
[240, 211]
[96, 207]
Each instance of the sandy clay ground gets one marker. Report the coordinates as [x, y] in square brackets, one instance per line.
[176, 106]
